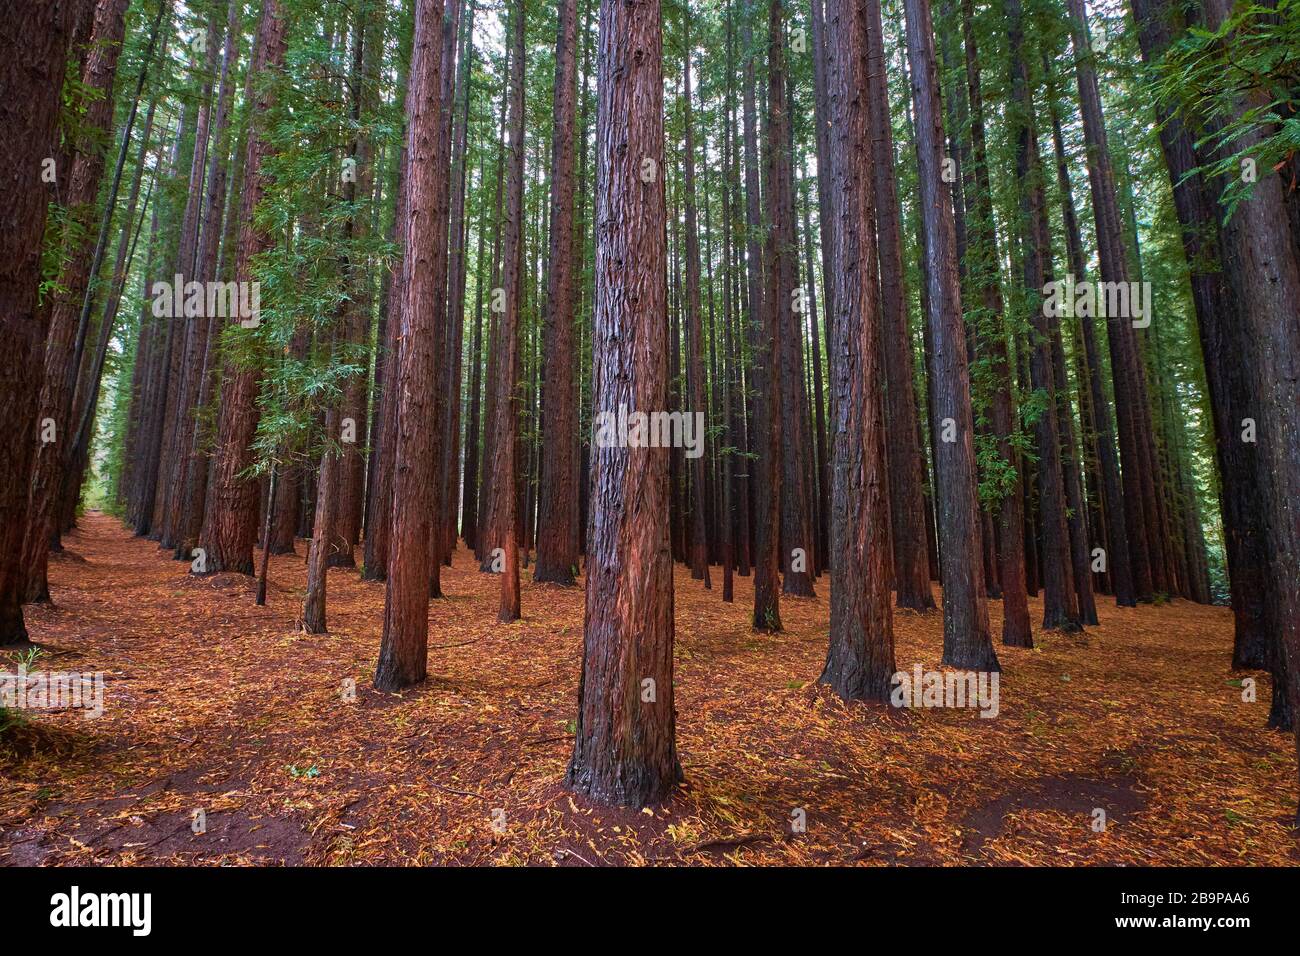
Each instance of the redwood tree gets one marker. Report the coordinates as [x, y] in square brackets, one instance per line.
[33, 55]
[403, 649]
[625, 750]
[860, 659]
[966, 642]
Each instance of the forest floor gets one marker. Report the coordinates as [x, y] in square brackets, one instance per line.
[213, 703]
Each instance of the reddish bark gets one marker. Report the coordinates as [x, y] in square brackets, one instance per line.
[403, 650]
[625, 750]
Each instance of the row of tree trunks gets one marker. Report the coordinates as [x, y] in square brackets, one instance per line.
[60, 361]
[1223, 340]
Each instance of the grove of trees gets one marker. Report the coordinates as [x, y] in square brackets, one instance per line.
[974, 301]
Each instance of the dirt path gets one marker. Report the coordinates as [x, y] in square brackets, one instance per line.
[215, 705]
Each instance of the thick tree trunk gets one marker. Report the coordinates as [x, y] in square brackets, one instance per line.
[860, 658]
[966, 642]
[625, 750]
[403, 649]
[1260, 260]
[33, 58]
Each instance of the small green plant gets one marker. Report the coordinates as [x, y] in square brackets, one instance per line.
[28, 658]
[300, 774]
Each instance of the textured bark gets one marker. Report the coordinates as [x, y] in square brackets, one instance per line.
[403, 649]
[33, 54]
[906, 462]
[230, 523]
[60, 361]
[1264, 276]
[557, 555]
[966, 642]
[860, 658]
[625, 750]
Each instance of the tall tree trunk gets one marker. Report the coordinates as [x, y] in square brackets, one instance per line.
[699, 557]
[1264, 275]
[1060, 602]
[991, 341]
[557, 555]
[194, 492]
[625, 750]
[1130, 389]
[765, 440]
[32, 66]
[966, 642]
[403, 649]
[860, 658]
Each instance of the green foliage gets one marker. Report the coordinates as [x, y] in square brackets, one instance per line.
[1253, 61]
